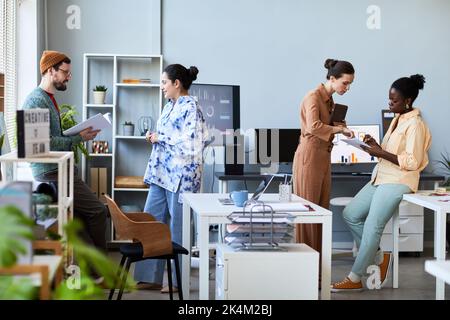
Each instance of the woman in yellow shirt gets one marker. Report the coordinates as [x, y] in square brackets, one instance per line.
[402, 156]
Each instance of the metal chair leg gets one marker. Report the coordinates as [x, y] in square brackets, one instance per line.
[169, 277]
[117, 281]
[177, 271]
[124, 279]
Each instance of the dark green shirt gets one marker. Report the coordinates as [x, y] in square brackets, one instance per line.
[38, 98]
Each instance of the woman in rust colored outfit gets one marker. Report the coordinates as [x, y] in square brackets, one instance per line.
[312, 161]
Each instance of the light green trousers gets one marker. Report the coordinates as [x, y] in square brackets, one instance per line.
[366, 216]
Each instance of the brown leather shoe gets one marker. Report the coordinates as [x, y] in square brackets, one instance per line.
[166, 289]
[384, 268]
[346, 285]
[148, 286]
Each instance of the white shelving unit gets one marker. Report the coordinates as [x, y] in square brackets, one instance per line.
[126, 102]
[65, 162]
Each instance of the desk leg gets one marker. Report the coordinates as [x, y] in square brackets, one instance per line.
[223, 186]
[186, 259]
[61, 201]
[436, 241]
[439, 245]
[395, 247]
[326, 258]
[203, 278]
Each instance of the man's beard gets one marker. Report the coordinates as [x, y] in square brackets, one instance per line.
[60, 86]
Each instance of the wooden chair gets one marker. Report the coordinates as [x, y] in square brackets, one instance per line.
[49, 267]
[151, 240]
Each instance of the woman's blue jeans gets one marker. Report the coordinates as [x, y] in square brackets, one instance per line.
[164, 206]
[366, 216]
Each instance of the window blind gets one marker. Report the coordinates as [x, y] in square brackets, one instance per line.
[8, 66]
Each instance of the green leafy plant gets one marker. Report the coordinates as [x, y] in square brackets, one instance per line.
[2, 139]
[445, 163]
[68, 121]
[100, 88]
[88, 259]
[14, 228]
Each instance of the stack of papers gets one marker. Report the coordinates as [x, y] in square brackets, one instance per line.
[97, 122]
[256, 228]
[260, 228]
[355, 142]
[277, 207]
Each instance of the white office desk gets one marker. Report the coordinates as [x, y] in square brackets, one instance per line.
[209, 211]
[441, 209]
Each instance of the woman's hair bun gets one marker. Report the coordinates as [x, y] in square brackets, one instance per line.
[330, 63]
[193, 71]
[419, 80]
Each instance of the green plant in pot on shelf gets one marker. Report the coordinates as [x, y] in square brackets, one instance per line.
[128, 128]
[99, 94]
[68, 121]
[445, 164]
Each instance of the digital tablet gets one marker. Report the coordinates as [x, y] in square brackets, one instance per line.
[339, 113]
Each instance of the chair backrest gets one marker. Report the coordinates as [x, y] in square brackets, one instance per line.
[121, 221]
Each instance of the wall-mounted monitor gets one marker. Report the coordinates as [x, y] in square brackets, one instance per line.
[344, 153]
[276, 145]
[220, 105]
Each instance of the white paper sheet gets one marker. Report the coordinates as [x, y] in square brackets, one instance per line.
[276, 206]
[97, 122]
[355, 142]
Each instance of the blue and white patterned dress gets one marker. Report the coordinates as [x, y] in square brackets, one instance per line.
[176, 159]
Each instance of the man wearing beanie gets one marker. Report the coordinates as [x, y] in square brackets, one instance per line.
[56, 72]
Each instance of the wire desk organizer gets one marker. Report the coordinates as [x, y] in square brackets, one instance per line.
[261, 228]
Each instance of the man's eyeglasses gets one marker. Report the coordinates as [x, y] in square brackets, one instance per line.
[67, 73]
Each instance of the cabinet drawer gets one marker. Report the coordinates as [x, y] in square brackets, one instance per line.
[407, 225]
[409, 209]
[407, 243]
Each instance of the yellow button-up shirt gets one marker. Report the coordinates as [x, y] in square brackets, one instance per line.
[410, 141]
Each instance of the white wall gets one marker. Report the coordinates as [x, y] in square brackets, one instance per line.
[105, 26]
[275, 49]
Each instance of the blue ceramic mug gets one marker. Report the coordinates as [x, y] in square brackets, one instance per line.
[239, 197]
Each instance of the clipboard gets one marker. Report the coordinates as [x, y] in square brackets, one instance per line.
[97, 122]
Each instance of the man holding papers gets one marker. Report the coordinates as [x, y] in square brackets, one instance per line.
[56, 72]
[402, 156]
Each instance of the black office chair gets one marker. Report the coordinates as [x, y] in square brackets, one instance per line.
[152, 241]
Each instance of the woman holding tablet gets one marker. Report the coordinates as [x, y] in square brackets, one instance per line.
[312, 161]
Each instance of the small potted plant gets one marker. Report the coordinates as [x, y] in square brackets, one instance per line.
[99, 94]
[128, 128]
[445, 164]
